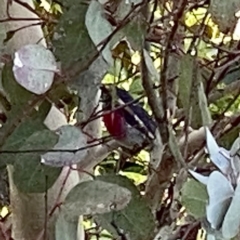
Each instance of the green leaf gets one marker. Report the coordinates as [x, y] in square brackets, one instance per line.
[95, 196]
[232, 74]
[72, 138]
[71, 41]
[17, 94]
[189, 80]
[124, 8]
[29, 174]
[223, 14]
[99, 28]
[135, 32]
[136, 220]
[203, 105]
[65, 230]
[175, 150]
[136, 87]
[87, 87]
[194, 198]
[187, 68]
[150, 66]
[22, 132]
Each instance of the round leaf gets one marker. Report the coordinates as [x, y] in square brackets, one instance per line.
[194, 198]
[136, 220]
[34, 68]
[71, 42]
[70, 139]
[29, 174]
[93, 197]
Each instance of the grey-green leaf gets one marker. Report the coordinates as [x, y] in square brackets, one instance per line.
[175, 150]
[99, 28]
[34, 68]
[11, 87]
[95, 196]
[186, 74]
[22, 132]
[194, 198]
[223, 14]
[29, 174]
[70, 138]
[71, 41]
[135, 32]
[203, 105]
[135, 221]
[150, 66]
[66, 230]
[124, 7]
[220, 196]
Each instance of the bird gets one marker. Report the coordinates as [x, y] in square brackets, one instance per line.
[126, 120]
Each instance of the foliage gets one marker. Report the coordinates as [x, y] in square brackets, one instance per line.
[180, 61]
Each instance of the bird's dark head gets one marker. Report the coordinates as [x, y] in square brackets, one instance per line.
[107, 96]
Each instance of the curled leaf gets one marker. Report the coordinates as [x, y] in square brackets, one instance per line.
[201, 178]
[219, 156]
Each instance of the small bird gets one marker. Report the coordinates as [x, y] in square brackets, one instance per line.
[126, 120]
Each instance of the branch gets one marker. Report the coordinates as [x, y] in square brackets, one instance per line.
[97, 156]
[232, 88]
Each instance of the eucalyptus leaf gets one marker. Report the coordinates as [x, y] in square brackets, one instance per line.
[71, 41]
[124, 7]
[151, 69]
[99, 28]
[65, 230]
[173, 145]
[34, 68]
[194, 197]
[223, 14]
[87, 86]
[23, 131]
[203, 105]
[135, 221]
[189, 80]
[235, 159]
[29, 174]
[95, 197]
[135, 32]
[11, 87]
[187, 68]
[70, 138]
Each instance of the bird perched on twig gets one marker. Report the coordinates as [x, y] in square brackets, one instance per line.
[126, 120]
